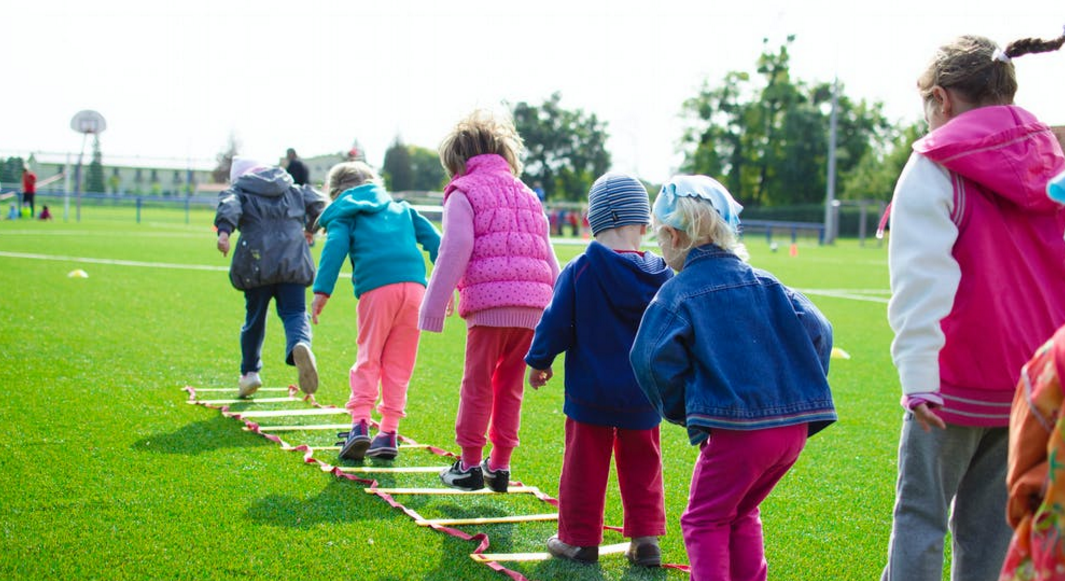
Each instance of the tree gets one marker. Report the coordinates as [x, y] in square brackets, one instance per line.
[94, 176]
[565, 150]
[428, 173]
[11, 171]
[220, 174]
[768, 144]
[397, 167]
[874, 176]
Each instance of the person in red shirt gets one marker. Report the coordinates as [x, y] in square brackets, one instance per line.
[29, 189]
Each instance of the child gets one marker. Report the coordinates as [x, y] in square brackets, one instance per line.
[496, 250]
[739, 359]
[12, 213]
[593, 316]
[977, 268]
[45, 214]
[1036, 476]
[272, 261]
[381, 238]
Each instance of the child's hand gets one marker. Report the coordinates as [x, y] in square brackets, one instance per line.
[223, 243]
[539, 377]
[928, 418]
[317, 305]
[450, 310]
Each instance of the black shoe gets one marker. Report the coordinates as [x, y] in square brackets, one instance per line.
[644, 552]
[585, 555]
[383, 446]
[355, 441]
[469, 479]
[497, 480]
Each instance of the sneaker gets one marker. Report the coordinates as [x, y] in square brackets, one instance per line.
[383, 446]
[249, 383]
[644, 552]
[469, 479]
[586, 555]
[497, 480]
[356, 441]
[304, 360]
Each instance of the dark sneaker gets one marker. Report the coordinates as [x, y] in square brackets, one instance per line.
[497, 480]
[469, 479]
[355, 442]
[303, 358]
[586, 555]
[383, 446]
[644, 552]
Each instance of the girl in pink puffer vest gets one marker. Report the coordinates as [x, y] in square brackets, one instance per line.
[495, 250]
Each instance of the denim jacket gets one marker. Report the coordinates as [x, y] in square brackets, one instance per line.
[724, 345]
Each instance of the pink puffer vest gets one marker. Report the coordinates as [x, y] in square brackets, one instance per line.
[510, 264]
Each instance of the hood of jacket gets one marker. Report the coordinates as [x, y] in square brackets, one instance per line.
[364, 199]
[628, 282]
[272, 181]
[1003, 148]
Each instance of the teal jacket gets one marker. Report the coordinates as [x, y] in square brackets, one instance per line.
[380, 236]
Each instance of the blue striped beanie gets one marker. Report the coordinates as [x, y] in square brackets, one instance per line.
[617, 200]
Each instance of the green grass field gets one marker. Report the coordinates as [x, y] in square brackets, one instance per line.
[107, 473]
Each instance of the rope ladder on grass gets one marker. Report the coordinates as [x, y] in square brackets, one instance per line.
[362, 474]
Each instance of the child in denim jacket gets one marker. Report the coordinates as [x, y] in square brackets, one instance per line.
[737, 358]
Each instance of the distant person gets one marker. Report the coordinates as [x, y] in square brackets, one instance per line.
[738, 359]
[301, 176]
[538, 188]
[977, 268]
[380, 237]
[29, 189]
[45, 214]
[272, 262]
[595, 311]
[496, 250]
[13, 213]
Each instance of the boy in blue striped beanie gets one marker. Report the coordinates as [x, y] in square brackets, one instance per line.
[593, 317]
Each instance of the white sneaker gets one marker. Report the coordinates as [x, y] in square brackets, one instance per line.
[304, 360]
[249, 383]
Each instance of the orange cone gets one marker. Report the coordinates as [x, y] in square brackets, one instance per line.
[794, 250]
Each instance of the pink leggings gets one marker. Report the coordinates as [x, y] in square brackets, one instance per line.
[735, 472]
[492, 388]
[387, 349]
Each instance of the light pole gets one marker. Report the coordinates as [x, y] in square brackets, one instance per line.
[85, 122]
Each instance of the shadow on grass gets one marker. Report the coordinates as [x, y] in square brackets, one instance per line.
[340, 501]
[215, 433]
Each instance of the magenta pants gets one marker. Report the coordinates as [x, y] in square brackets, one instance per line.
[735, 472]
[387, 349]
[492, 389]
[585, 470]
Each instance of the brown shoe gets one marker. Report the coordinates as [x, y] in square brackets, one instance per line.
[586, 555]
[644, 552]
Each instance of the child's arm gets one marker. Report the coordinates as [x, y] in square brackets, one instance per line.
[816, 325]
[456, 246]
[227, 215]
[426, 234]
[555, 331]
[313, 202]
[661, 360]
[337, 243]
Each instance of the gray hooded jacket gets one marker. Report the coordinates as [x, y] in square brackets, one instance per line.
[272, 215]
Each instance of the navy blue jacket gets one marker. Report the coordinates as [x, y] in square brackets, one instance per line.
[598, 301]
[724, 345]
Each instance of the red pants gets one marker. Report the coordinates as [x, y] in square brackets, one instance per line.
[492, 388]
[585, 469]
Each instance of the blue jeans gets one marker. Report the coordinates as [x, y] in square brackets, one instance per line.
[291, 308]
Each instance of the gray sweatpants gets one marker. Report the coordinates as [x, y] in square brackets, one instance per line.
[958, 472]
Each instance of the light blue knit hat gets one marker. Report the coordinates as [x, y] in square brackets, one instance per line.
[702, 187]
[617, 200]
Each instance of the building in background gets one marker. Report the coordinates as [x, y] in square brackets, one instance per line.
[135, 176]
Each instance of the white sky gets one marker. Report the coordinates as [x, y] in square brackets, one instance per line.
[175, 79]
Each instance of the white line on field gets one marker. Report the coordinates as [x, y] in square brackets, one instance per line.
[852, 294]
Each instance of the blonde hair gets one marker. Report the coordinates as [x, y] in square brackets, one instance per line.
[968, 65]
[702, 225]
[349, 174]
[479, 133]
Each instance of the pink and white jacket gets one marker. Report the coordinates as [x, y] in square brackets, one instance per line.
[495, 249]
[977, 261]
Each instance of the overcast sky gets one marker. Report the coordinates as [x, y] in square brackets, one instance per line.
[175, 79]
